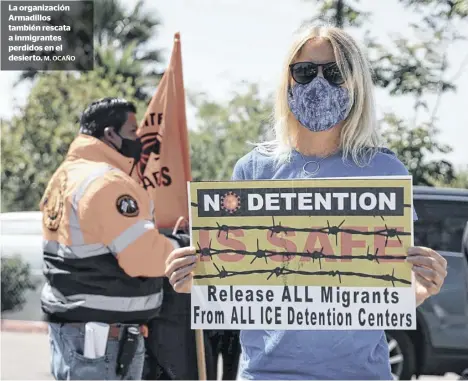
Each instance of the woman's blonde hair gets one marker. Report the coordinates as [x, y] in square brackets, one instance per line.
[359, 134]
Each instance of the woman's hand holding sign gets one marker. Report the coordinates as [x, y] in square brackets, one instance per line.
[430, 270]
[179, 269]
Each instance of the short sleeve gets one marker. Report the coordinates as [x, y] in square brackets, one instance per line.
[243, 168]
[238, 172]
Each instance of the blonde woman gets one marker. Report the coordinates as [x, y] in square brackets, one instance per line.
[325, 126]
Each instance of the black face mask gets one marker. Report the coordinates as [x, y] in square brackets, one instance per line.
[131, 148]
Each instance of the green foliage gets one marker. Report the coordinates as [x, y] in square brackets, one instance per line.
[223, 130]
[460, 180]
[442, 9]
[35, 142]
[122, 44]
[78, 40]
[123, 63]
[417, 67]
[16, 280]
[115, 26]
[340, 13]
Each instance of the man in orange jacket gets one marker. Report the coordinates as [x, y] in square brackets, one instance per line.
[104, 258]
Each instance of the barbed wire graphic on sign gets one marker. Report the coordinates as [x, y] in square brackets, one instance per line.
[278, 271]
[314, 255]
[329, 230]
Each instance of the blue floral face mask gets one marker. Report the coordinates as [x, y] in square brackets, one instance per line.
[318, 105]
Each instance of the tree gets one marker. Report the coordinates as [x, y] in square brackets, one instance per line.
[417, 68]
[460, 180]
[117, 27]
[412, 145]
[123, 41]
[122, 44]
[77, 42]
[340, 13]
[123, 63]
[222, 130]
[35, 142]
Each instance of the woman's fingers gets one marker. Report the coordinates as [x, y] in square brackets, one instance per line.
[177, 263]
[429, 286]
[429, 274]
[181, 273]
[179, 257]
[184, 284]
[179, 253]
[429, 267]
[179, 266]
[425, 257]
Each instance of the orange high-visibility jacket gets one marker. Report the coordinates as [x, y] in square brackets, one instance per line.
[104, 257]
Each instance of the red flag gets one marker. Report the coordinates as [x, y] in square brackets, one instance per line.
[164, 168]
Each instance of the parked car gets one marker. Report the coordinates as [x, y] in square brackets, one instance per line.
[438, 346]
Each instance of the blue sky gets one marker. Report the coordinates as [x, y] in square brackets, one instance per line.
[228, 42]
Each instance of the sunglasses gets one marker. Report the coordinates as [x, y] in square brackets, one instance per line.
[305, 72]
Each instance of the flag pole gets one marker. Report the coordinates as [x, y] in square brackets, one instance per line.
[201, 360]
[199, 337]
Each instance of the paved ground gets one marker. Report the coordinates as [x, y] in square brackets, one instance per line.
[25, 356]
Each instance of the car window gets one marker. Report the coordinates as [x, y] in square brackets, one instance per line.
[440, 224]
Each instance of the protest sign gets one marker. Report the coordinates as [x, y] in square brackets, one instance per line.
[303, 254]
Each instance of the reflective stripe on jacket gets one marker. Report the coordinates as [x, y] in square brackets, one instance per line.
[104, 257]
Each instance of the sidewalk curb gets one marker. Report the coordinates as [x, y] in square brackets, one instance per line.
[24, 326]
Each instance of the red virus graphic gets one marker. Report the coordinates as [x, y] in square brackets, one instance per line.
[230, 202]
